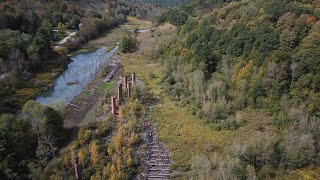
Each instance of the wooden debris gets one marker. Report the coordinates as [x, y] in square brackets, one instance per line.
[158, 159]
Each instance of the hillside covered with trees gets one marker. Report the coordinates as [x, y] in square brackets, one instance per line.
[160, 2]
[249, 55]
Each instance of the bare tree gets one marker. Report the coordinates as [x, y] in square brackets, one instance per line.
[293, 68]
[272, 70]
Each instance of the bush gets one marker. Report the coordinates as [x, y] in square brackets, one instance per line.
[298, 150]
[128, 44]
[267, 172]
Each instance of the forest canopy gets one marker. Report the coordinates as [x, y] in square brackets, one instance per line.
[242, 55]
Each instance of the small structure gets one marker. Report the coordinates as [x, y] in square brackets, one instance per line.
[113, 105]
[125, 82]
[120, 93]
[133, 79]
[129, 89]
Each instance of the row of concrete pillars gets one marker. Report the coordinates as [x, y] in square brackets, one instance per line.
[127, 88]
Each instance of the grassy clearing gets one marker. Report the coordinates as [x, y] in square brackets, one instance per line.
[112, 37]
[106, 85]
[133, 22]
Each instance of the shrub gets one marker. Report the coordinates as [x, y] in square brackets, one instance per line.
[122, 112]
[152, 75]
[298, 150]
[238, 118]
[84, 135]
[267, 172]
[128, 44]
[230, 123]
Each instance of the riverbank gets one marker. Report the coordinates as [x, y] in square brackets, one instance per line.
[86, 106]
[94, 90]
[12, 99]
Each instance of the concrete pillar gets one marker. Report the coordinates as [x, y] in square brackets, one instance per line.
[77, 168]
[125, 82]
[113, 105]
[129, 89]
[120, 93]
[133, 76]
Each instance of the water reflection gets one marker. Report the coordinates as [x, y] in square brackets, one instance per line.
[79, 72]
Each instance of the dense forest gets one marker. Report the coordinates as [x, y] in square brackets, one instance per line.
[160, 2]
[261, 55]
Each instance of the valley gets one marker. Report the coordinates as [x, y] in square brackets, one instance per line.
[157, 90]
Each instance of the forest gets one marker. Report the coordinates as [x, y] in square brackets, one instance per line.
[259, 55]
[160, 2]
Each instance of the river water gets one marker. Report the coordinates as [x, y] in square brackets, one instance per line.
[80, 71]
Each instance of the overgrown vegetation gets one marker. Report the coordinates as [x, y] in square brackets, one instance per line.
[29, 142]
[128, 43]
[108, 148]
[248, 54]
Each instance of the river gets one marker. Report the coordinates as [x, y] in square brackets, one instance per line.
[80, 71]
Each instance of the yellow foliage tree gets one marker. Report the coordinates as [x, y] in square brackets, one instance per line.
[82, 155]
[129, 160]
[119, 163]
[94, 152]
[107, 170]
[118, 139]
[113, 171]
[120, 175]
[122, 112]
[244, 72]
[83, 135]
[109, 150]
[130, 125]
[113, 177]
[66, 161]
[132, 139]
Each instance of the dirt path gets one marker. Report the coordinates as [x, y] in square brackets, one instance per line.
[64, 40]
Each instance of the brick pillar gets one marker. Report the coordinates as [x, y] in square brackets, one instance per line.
[113, 105]
[77, 168]
[133, 78]
[125, 82]
[120, 93]
[129, 89]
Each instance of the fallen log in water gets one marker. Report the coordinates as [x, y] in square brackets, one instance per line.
[72, 83]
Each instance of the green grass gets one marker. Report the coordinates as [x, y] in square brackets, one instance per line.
[81, 51]
[106, 85]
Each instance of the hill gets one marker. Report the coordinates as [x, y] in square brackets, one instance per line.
[237, 56]
[159, 2]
